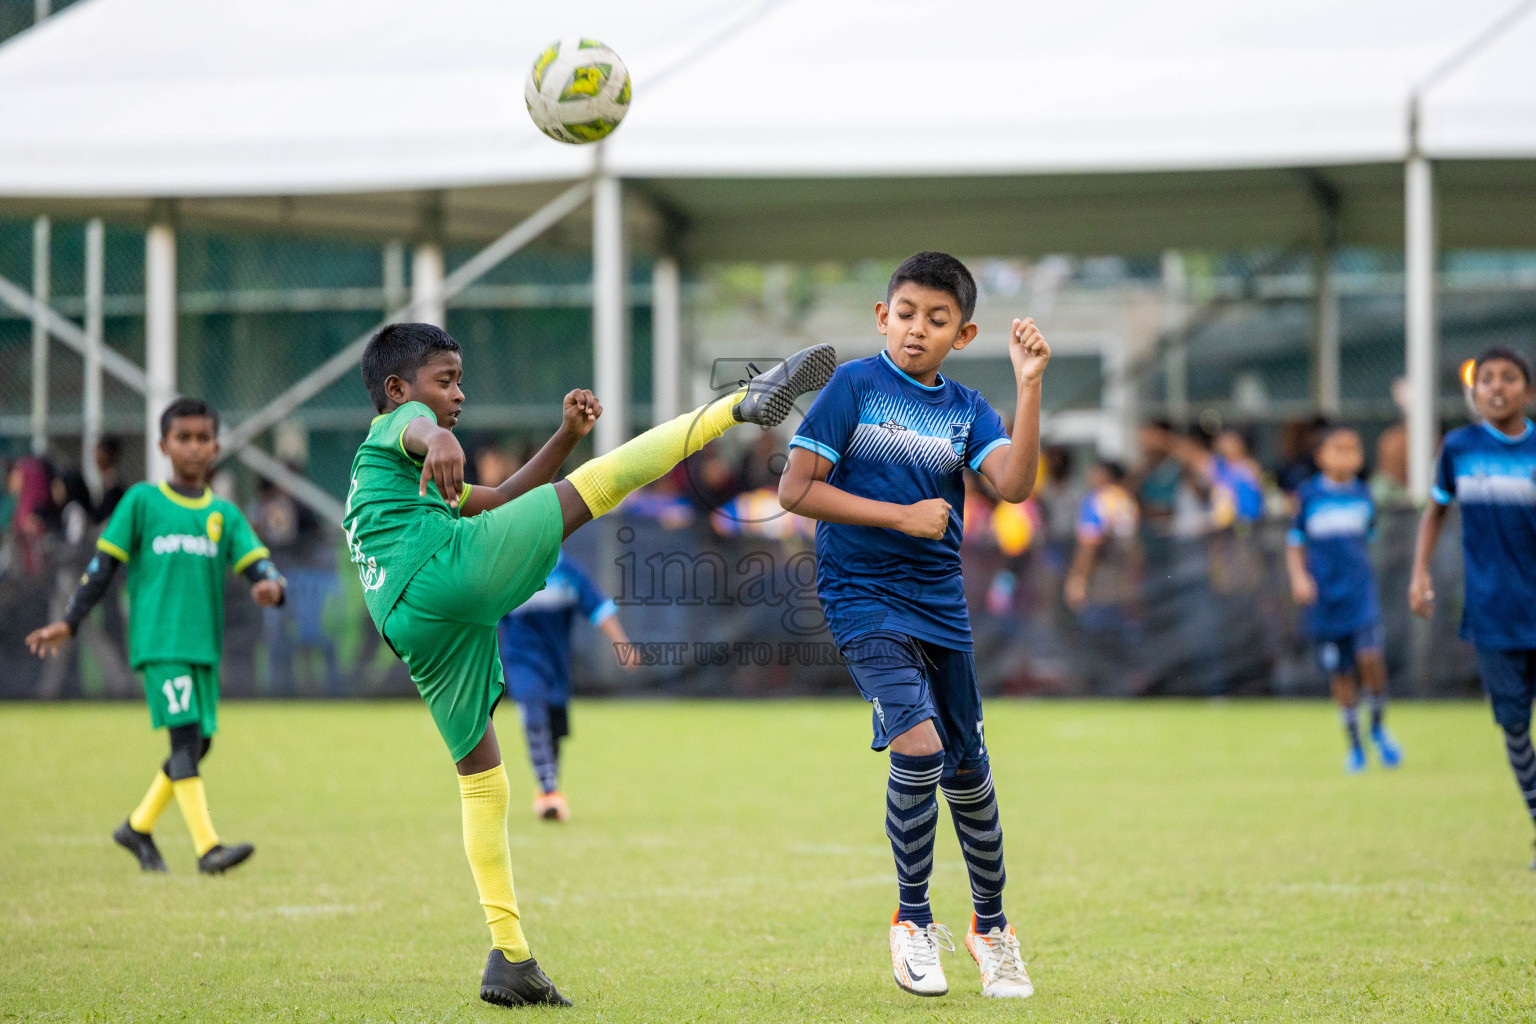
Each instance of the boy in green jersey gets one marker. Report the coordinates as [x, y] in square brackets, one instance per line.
[176, 539]
[441, 562]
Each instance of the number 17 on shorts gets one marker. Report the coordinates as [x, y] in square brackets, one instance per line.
[180, 693]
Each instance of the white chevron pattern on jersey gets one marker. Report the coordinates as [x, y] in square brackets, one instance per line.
[893, 430]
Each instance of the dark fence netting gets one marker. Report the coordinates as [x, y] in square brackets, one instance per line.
[710, 612]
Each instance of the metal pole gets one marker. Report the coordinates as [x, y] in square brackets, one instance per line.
[666, 340]
[1422, 344]
[42, 260]
[41, 9]
[394, 275]
[159, 334]
[90, 399]
[610, 339]
[1325, 333]
[427, 283]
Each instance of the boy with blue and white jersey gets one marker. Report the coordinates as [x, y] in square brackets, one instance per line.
[879, 461]
[535, 641]
[1329, 560]
[1490, 468]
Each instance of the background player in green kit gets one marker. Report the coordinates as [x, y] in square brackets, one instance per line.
[441, 562]
[176, 539]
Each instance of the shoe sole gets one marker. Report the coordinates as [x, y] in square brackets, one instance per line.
[816, 367]
[502, 997]
[915, 992]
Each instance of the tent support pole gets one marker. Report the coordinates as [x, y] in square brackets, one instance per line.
[610, 341]
[42, 264]
[1326, 397]
[90, 400]
[159, 333]
[1419, 297]
[666, 340]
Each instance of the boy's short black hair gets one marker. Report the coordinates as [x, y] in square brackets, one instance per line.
[186, 408]
[399, 350]
[941, 272]
[1488, 355]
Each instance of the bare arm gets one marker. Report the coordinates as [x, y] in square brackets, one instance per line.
[611, 628]
[804, 489]
[1076, 588]
[1303, 586]
[1012, 469]
[579, 412]
[1421, 591]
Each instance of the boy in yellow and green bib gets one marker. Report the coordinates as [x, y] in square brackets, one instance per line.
[441, 562]
[177, 540]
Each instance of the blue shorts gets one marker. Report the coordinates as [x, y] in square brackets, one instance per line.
[1336, 655]
[910, 681]
[1509, 679]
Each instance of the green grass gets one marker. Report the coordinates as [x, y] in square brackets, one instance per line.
[1167, 862]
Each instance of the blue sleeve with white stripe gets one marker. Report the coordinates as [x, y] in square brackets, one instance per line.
[831, 420]
[987, 435]
[1296, 536]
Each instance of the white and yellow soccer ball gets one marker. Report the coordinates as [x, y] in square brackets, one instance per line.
[577, 91]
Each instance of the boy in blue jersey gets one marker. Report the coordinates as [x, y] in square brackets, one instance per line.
[879, 461]
[1490, 468]
[1329, 560]
[535, 639]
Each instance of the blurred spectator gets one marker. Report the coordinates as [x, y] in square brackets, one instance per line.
[762, 464]
[1298, 441]
[1107, 525]
[33, 513]
[307, 559]
[1060, 494]
[1389, 484]
[708, 480]
[1159, 477]
[1237, 478]
[108, 450]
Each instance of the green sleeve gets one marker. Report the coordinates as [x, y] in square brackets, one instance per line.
[388, 430]
[244, 546]
[120, 537]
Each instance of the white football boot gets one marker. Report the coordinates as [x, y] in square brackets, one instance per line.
[1002, 969]
[915, 957]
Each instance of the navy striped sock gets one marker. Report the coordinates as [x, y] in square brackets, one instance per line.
[973, 805]
[911, 817]
[1378, 701]
[1522, 759]
[541, 746]
[1350, 717]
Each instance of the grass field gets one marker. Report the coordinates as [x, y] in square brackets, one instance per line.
[1167, 862]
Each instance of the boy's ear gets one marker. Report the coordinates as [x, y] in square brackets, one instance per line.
[967, 335]
[882, 314]
[395, 388]
[162, 447]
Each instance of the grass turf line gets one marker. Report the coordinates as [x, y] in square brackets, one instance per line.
[1168, 861]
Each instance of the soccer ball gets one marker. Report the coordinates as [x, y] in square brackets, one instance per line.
[577, 91]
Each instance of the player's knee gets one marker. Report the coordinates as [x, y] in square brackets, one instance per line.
[187, 748]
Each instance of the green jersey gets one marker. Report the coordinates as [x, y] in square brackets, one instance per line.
[177, 549]
[391, 529]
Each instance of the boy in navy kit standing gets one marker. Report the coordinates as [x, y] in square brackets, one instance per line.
[1329, 560]
[879, 461]
[1490, 468]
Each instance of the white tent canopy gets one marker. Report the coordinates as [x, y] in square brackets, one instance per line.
[767, 129]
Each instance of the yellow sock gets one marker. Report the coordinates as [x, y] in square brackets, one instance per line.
[485, 798]
[153, 805]
[604, 481]
[194, 807]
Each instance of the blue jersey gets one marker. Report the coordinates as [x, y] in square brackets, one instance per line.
[537, 634]
[1334, 522]
[1494, 477]
[894, 439]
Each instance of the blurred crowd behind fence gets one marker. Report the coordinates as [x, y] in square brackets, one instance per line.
[723, 603]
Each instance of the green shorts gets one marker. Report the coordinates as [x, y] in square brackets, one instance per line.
[180, 693]
[444, 625]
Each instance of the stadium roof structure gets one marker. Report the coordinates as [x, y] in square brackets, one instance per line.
[801, 129]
